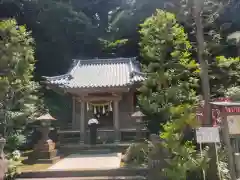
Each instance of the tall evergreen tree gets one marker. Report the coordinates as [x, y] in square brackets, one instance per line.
[171, 73]
[18, 92]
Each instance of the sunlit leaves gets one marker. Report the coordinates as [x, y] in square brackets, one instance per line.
[18, 92]
[169, 90]
[224, 74]
[184, 156]
[166, 54]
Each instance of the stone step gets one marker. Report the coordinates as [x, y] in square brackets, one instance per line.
[91, 178]
[121, 172]
[67, 152]
[95, 151]
[111, 146]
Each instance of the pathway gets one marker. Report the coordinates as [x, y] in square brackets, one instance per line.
[88, 162]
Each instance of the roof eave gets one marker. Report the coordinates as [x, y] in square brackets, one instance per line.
[68, 76]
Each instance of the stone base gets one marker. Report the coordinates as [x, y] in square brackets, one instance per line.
[43, 156]
[48, 161]
[43, 145]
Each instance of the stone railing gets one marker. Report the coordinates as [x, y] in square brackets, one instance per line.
[104, 135]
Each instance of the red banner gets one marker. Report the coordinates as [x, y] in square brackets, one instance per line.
[216, 111]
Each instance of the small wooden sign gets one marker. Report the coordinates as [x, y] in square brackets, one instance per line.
[234, 124]
[207, 135]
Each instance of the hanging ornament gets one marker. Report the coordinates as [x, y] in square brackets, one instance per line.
[103, 110]
[99, 108]
[110, 106]
[87, 106]
[94, 110]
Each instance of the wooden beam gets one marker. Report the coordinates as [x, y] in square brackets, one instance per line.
[99, 98]
[84, 91]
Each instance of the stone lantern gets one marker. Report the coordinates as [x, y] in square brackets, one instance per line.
[44, 151]
[137, 116]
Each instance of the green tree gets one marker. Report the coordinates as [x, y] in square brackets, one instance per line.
[184, 159]
[172, 75]
[224, 74]
[18, 92]
[170, 90]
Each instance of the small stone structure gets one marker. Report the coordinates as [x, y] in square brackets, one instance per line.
[44, 151]
[138, 115]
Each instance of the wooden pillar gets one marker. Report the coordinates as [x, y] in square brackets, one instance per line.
[82, 123]
[116, 120]
[73, 112]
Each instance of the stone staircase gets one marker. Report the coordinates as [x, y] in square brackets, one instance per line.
[95, 174]
[111, 174]
[99, 148]
[93, 178]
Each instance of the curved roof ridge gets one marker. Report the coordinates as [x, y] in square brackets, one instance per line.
[67, 75]
[74, 68]
[104, 60]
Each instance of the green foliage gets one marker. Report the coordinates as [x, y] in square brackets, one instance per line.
[14, 141]
[18, 92]
[137, 154]
[170, 90]
[172, 74]
[224, 74]
[233, 93]
[14, 161]
[114, 46]
[183, 156]
[223, 164]
[212, 17]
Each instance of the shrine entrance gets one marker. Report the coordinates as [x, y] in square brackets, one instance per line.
[103, 112]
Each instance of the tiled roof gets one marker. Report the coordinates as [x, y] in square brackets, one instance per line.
[93, 73]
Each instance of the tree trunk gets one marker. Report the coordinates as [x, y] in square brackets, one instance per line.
[202, 62]
[212, 171]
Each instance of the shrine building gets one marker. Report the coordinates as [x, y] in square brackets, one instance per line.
[104, 88]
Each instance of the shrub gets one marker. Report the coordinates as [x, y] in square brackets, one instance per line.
[14, 161]
[137, 154]
[223, 164]
[15, 141]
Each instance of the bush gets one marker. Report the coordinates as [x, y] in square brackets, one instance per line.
[14, 161]
[223, 164]
[137, 154]
[14, 142]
